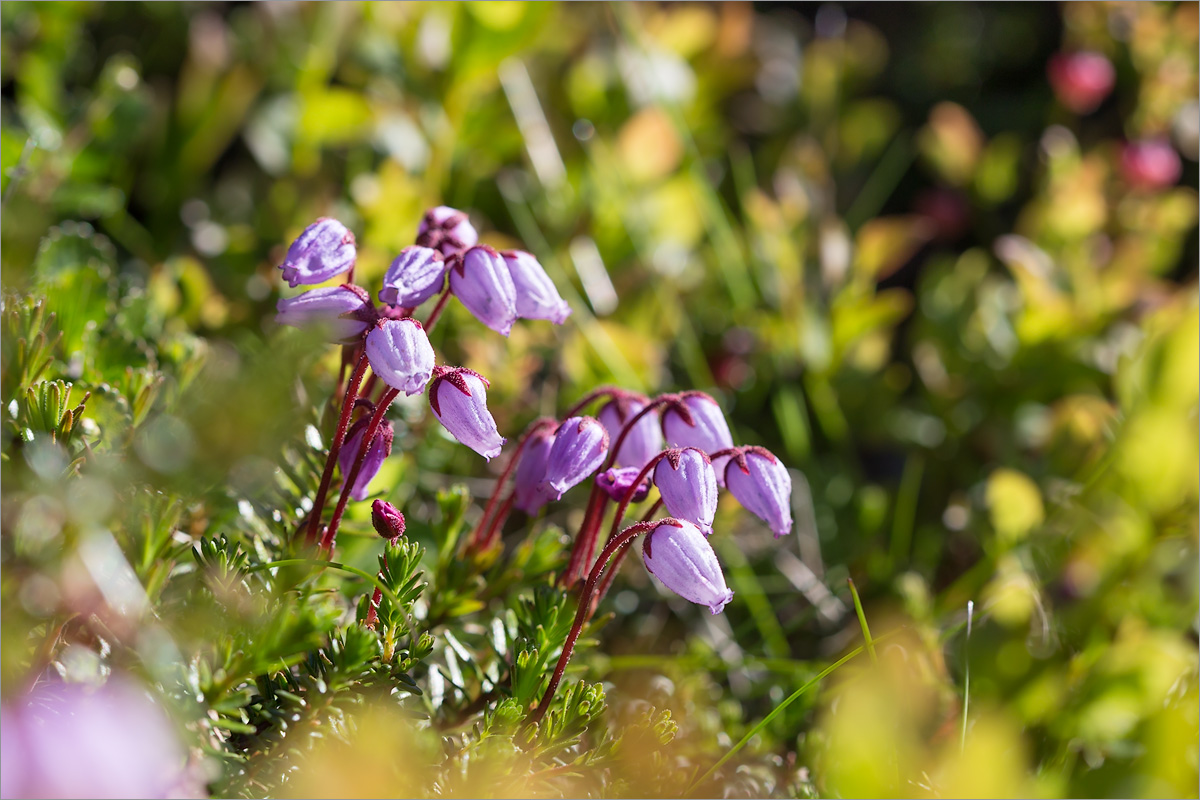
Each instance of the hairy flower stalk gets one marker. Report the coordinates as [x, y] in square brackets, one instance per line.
[314, 515]
[388, 522]
[482, 530]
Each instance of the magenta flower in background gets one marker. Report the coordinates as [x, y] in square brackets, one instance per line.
[527, 494]
[1150, 164]
[71, 740]
[688, 486]
[677, 553]
[480, 280]
[537, 296]
[580, 445]
[324, 250]
[377, 452]
[400, 354]
[414, 276]
[1081, 80]
[387, 520]
[644, 441]
[702, 425]
[345, 310]
[616, 482]
[458, 397]
[762, 484]
[447, 230]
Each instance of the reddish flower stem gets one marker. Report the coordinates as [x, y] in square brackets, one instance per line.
[437, 310]
[373, 608]
[348, 481]
[581, 614]
[339, 436]
[481, 530]
[591, 397]
[616, 563]
[493, 534]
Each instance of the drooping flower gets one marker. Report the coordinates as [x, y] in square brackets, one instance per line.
[324, 250]
[458, 397]
[580, 445]
[688, 486]
[537, 296]
[415, 275]
[677, 553]
[698, 423]
[616, 482]
[345, 310]
[762, 484]
[1081, 80]
[377, 452]
[387, 520]
[71, 740]
[480, 280]
[644, 440]
[1150, 164]
[447, 230]
[531, 469]
[400, 354]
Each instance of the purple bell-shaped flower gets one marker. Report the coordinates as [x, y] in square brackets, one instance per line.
[447, 230]
[677, 553]
[400, 354]
[480, 280]
[377, 452]
[761, 483]
[617, 481]
[531, 469]
[697, 422]
[345, 310]
[537, 297]
[580, 445]
[458, 397]
[415, 275]
[688, 486]
[644, 441]
[324, 250]
[387, 520]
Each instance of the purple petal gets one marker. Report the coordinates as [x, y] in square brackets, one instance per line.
[677, 553]
[537, 297]
[400, 354]
[688, 486]
[580, 445]
[710, 431]
[459, 401]
[326, 306]
[643, 442]
[482, 283]
[416, 275]
[762, 484]
[324, 250]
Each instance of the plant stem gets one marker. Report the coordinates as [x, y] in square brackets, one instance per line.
[348, 481]
[493, 534]
[335, 447]
[862, 621]
[481, 529]
[373, 608]
[616, 563]
[437, 310]
[589, 398]
[581, 613]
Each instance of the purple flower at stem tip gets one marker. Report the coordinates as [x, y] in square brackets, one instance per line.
[644, 439]
[447, 230]
[531, 469]
[387, 520]
[617, 481]
[762, 484]
[324, 250]
[688, 486]
[695, 420]
[480, 280]
[677, 553]
[378, 451]
[345, 310]
[537, 297]
[580, 445]
[415, 275]
[400, 354]
[458, 397]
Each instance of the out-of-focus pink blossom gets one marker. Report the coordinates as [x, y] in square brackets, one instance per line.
[1150, 164]
[1081, 80]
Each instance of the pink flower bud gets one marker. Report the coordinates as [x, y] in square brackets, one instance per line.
[537, 297]
[1081, 80]
[698, 423]
[616, 482]
[387, 520]
[480, 280]
[415, 275]
[688, 486]
[447, 230]
[1150, 164]
[458, 397]
[761, 483]
[677, 553]
[400, 354]
[324, 250]
[580, 445]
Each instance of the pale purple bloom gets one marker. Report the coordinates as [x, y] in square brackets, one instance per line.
[537, 297]
[400, 354]
[70, 740]
[415, 275]
[345, 310]
[324, 250]
[458, 397]
[677, 553]
[616, 483]
[446, 229]
[387, 520]
[700, 424]
[480, 280]
[688, 486]
[644, 440]
[580, 445]
[377, 452]
[527, 493]
[1150, 164]
[762, 484]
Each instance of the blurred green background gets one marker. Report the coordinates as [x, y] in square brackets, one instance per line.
[870, 230]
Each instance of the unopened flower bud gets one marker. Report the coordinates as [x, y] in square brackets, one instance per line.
[458, 397]
[344, 310]
[1150, 164]
[400, 354]
[699, 423]
[377, 452]
[447, 230]
[387, 519]
[324, 250]
[688, 486]
[537, 297]
[762, 484]
[617, 481]
[1081, 80]
[580, 445]
[677, 553]
[644, 440]
[480, 280]
[531, 469]
[415, 275]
